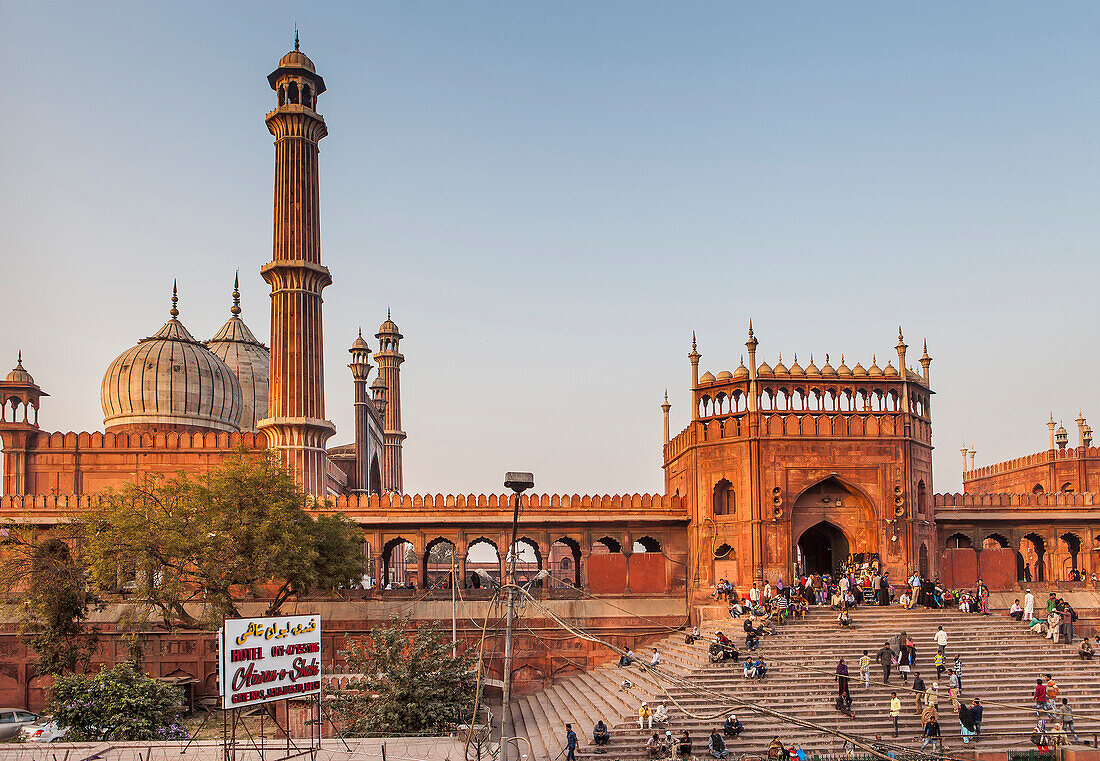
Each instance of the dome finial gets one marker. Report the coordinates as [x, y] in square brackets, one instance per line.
[388, 315]
[693, 340]
[295, 36]
[175, 300]
[236, 308]
[19, 361]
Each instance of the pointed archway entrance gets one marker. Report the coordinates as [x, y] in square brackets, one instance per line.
[822, 548]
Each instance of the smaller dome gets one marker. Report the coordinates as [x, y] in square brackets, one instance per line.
[19, 374]
[741, 371]
[379, 384]
[890, 371]
[388, 328]
[708, 377]
[296, 59]
[859, 371]
[780, 368]
[874, 369]
[725, 375]
[812, 369]
[843, 369]
[359, 344]
[796, 369]
[827, 369]
[764, 369]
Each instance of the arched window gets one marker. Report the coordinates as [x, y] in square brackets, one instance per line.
[306, 96]
[1067, 488]
[723, 500]
[292, 92]
[1037, 489]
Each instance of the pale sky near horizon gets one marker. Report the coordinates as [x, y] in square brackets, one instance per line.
[552, 196]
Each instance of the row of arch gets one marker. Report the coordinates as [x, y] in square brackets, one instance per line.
[1038, 558]
[22, 411]
[295, 95]
[810, 400]
[440, 565]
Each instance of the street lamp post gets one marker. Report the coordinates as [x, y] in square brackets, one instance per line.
[518, 483]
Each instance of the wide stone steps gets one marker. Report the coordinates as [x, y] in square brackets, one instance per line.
[1000, 660]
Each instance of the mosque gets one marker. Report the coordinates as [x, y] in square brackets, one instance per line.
[174, 403]
[781, 469]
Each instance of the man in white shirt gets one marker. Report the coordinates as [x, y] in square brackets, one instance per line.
[941, 639]
[1029, 606]
[754, 595]
[914, 584]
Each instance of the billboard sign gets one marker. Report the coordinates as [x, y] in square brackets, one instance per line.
[266, 659]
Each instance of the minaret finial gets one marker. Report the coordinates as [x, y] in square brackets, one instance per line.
[295, 36]
[236, 308]
[175, 300]
[666, 395]
[360, 332]
[388, 317]
[750, 327]
[693, 340]
[19, 362]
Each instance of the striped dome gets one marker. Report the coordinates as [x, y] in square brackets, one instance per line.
[249, 360]
[170, 379]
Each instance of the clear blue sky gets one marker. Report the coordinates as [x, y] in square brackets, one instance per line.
[552, 196]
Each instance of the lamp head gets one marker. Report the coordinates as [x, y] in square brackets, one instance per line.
[518, 482]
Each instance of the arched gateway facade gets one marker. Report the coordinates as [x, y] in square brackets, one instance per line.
[789, 469]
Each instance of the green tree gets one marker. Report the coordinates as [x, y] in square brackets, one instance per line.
[51, 587]
[120, 704]
[243, 525]
[408, 683]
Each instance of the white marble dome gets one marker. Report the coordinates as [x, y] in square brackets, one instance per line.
[249, 360]
[170, 380]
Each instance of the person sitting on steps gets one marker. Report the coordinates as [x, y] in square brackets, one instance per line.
[732, 728]
[600, 735]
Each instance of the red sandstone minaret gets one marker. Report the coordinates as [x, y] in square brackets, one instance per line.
[389, 359]
[296, 424]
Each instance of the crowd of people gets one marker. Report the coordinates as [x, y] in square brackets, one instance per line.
[765, 606]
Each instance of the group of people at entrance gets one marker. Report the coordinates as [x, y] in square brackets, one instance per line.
[658, 745]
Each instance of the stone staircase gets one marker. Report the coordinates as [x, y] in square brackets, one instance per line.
[1000, 662]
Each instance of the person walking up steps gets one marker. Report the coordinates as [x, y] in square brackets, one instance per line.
[941, 640]
[1029, 606]
[865, 670]
[895, 711]
[976, 713]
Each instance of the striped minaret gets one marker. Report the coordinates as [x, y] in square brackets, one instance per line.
[296, 424]
[389, 359]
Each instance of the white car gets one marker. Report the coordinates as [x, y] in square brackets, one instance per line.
[45, 731]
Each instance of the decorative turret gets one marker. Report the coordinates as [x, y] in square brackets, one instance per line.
[378, 390]
[19, 400]
[901, 347]
[1080, 428]
[751, 345]
[694, 358]
[925, 362]
[963, 451]
[21, 394]
[664, 411]
[1061, 437]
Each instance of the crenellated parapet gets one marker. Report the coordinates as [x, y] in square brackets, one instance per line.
[1031, 460]
[995, 502]
[170, 440]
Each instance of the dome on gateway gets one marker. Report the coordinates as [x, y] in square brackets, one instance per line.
[170, 380]
[248, 359]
